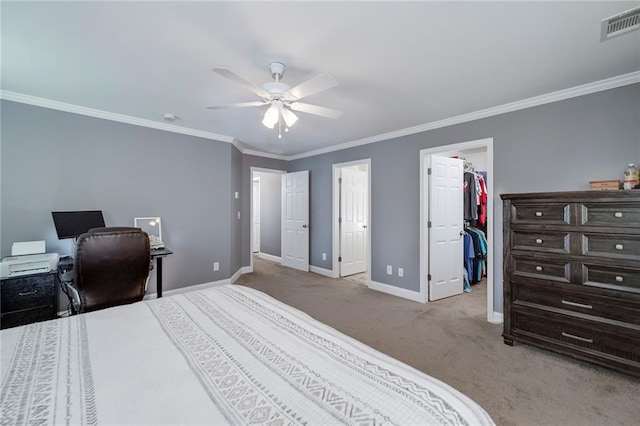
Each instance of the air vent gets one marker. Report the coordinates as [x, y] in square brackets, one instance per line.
[620, 24]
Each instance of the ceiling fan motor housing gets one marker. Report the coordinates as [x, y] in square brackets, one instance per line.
[277, 70]
[275, 89]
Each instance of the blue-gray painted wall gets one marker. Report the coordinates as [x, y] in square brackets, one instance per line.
[53, 160]
[554, 147]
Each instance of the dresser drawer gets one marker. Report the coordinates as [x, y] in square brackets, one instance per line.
[29, 316]
[547, 269]
[626, 215]
[580, 334]
[541, 213]
[541, 241]
[612, 245]
[612, 277]
[30, 292]
[566, 297]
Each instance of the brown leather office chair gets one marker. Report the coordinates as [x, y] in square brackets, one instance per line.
[111, 267]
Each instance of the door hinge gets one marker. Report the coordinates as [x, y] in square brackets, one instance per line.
[339, 220]
[429, 224]
[339, 258]
[429, 171]
[339, 180]
[429, 277]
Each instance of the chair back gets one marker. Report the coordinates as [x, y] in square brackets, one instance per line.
[111, 267]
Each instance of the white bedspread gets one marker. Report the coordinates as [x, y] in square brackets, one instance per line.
[225, 355]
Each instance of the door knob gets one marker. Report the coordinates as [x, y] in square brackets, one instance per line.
[364, 226]
[304, 226]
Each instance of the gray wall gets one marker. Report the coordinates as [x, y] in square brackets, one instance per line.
[53, 160]
[555, 147]
[270, 213]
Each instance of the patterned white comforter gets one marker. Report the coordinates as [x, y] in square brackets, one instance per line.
[225, 355]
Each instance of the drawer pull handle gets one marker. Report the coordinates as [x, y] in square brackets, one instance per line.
[538, 268]
[619, 279]
[582, 339]
[577, 305]
[538, 240]
[538, 214]
[619, 247]
[618, 214]
[28, 293]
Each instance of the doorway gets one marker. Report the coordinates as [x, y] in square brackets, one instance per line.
[479, 154]
[265, 207]
[255, 217]
[351, 220]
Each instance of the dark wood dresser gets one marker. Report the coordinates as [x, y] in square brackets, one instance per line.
[572, 274]
[27, 299]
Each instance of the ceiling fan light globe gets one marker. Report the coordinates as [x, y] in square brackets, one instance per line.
[289, 117]
[271, 117]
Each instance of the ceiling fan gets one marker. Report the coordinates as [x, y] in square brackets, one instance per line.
[282, 98]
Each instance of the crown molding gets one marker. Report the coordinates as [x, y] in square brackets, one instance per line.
[106, 115]
[264, 154]
[244, 150]
[585, 89]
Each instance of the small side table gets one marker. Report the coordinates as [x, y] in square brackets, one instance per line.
[28, 298]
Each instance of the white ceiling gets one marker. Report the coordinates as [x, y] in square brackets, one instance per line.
[398, 65]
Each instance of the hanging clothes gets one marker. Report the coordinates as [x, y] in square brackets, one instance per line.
[470, 197]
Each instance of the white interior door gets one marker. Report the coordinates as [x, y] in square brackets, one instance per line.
[295, 220]
[353, 221]
[447, 225]
[256, 215]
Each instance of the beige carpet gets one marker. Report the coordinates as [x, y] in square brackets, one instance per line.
[451, 340]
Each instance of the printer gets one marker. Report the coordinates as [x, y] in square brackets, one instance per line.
[27, 258]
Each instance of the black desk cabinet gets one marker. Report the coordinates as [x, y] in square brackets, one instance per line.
[27, 299]
[572, 274]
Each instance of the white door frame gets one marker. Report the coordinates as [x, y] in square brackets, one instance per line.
[487, 143]
[251, 176]
[254, 181]
[335, 268]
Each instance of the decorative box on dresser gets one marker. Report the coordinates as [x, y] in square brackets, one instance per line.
[572, 274]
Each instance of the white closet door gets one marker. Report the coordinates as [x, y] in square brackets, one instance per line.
[447, 226]
[353, 221]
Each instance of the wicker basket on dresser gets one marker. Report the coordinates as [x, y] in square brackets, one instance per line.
[572, 274]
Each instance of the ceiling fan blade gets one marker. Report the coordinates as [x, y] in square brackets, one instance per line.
[316, 84]
[239, 105]
[315, 109]
[241, 81]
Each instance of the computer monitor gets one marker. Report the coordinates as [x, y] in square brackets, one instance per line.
[74, 224]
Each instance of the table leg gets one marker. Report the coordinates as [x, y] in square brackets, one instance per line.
[159, 277]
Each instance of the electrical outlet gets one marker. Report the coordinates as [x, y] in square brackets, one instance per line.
[237, 194]
[401, 272]
[389, 270]
[238, 214]
[216, 266]
[324, 256]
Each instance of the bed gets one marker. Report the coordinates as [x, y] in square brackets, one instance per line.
[223, 355]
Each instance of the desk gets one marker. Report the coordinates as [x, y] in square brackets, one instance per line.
[157, 255]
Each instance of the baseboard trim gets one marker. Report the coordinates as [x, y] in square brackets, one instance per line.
[496, 318]
[237, 275]
[396, 291]
[322, 271]
[267, 256]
